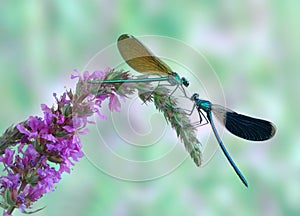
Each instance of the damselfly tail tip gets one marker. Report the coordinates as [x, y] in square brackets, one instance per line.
[245, 183]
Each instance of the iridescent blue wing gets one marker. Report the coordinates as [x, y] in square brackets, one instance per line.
[244, 126]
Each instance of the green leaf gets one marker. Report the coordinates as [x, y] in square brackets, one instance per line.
[32, 178]
[37, 146]
[4, 205]
[8, 199]
[67, 110]
[34, 211]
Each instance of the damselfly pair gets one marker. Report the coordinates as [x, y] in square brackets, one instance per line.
[144, 61]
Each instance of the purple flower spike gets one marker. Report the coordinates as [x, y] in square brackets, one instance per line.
[43, 148]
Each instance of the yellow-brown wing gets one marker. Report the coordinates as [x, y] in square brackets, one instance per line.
[140, 58]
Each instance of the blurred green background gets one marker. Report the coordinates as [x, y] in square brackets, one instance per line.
[253, 47]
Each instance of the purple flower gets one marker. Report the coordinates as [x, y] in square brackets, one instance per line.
[8, 157]
[98, 104]
[53, 139]
[86, 76]
[114, 103]
[97, 75]
[11, 181]
[6, 214]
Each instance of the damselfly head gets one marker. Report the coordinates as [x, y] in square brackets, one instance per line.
[185, 82]
[195, 96]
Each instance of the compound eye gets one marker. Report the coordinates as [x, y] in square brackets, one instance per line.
[195, 96]
[185, 82]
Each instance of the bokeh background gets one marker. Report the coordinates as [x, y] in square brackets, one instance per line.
[254, 49]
